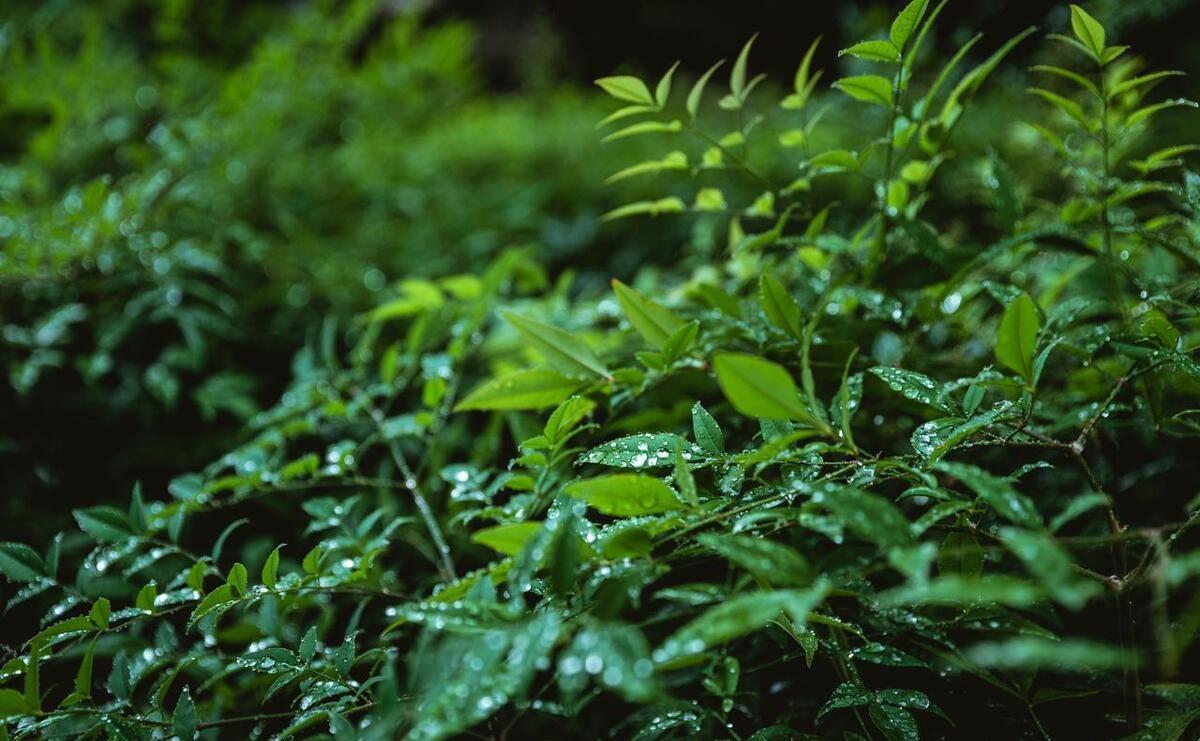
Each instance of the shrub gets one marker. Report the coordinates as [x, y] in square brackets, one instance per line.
[843, 453]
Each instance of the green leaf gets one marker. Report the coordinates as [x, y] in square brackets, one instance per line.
[1088, 30]
[654, 322]
[644, 127]
[83, 676]
[183, 719]
[772, 562]
[759, 388]
[506, 539]
[684, 480]
[961, 554]
[105, 524]
[270, 569]
[626, 88]
[896, 723]
[867, 515]
[1016, 341]
[663, 90]
[1050, 565]
[867, 88]
[739, 616]
[563, 350]
[19, 562]
[238, 579]
[906, 22]
[146, 597]
[669, 205]
[643, 450]
[625, 495]
[219, 597]
[616, 655]
[308, 645]
[697, 91]
[779, 306]
[873, 51]
[535, 388]
[912, 385]
[706, 431]
[12, 703]
[312, 561]
[100, 613]
[737, 76]
[998, 493]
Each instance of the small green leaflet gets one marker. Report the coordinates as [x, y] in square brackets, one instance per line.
[506, 539]
[625, 495]
[1089, 31]
[906, 22]
[697, 91]
[627, 88]
[739, 616]
[183, 720]
[998, 493]
[706, 431]
[1016, 341]
[614, 654]
[913, 385]
[644, 450]
[873, 51]
[867, 88]
[759, 388]
[19, 562]
[563, 350]
[773, 562]
[654, 322]
[270, 569]
[779, 306]
[100, 613]
[867, 515]
[534, 388]
[1046, 561]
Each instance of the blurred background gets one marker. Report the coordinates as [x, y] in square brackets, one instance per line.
[192, 191]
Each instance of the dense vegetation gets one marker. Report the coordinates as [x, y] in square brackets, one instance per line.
[885, 435]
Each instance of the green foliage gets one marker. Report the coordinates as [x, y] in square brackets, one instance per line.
[777, 489]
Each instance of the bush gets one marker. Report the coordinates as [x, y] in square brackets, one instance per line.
[174, 224]
[859, 441]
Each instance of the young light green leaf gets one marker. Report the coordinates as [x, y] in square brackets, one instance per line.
[668, 205]
[626, 88]
[759, 388]
[1088, 30]
[625, 495]
[737, 76]
[663, 90]
[697, 91]
[506, 539]
[867, 88]
[906, 22]
[563, 350]
[644, 127]
[1016, 341]
[873, 51]
[534, 388]
[779, 306]
[653, 321]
